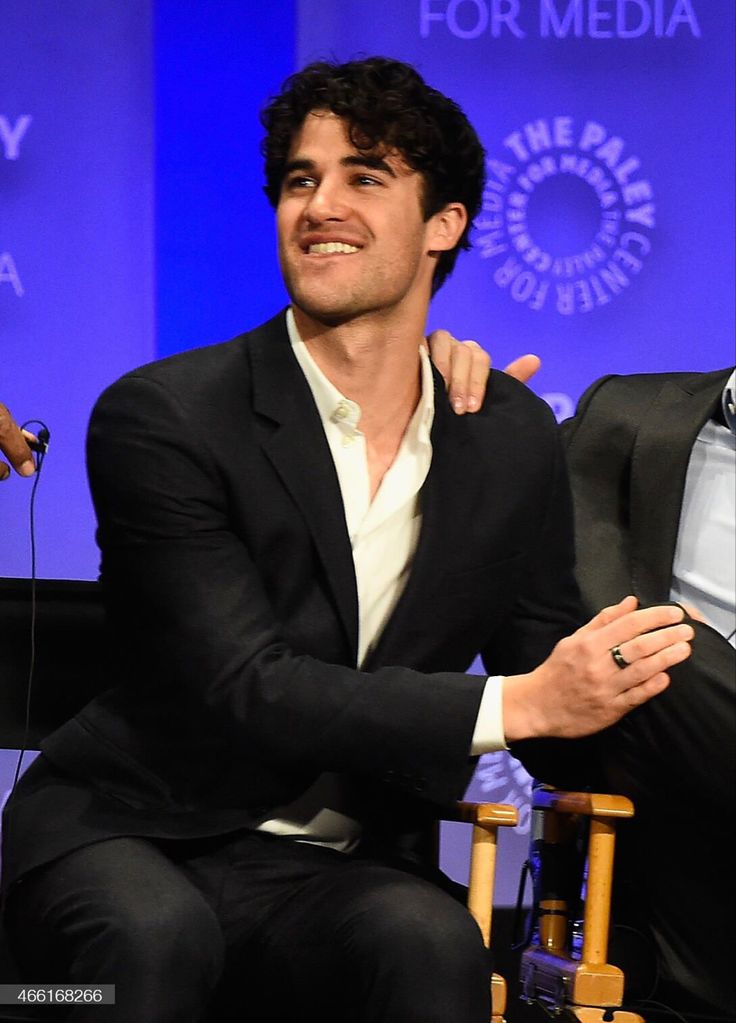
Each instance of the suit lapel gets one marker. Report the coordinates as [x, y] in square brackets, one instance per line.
[453, 472]
[294, 441]
[658, 470]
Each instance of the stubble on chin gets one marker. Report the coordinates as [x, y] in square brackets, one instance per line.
[329, 313]
[330, 305]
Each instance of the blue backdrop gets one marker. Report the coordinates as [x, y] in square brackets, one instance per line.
[132, 221]
[76, 245]
[606, 240]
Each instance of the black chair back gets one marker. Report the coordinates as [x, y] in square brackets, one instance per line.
[69, 644]
[70, 638]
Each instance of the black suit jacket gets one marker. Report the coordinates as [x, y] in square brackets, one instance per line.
[628, 449]
[229, 581]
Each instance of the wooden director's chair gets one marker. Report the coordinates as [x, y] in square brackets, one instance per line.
[71, 644]
[567, 973]
[486, 819]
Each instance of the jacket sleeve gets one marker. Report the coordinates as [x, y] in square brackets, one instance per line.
[184, 590]
[547, 609]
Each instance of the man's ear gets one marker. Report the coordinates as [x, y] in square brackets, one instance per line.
[446, 226]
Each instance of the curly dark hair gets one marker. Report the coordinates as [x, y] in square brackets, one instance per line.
[387, 105]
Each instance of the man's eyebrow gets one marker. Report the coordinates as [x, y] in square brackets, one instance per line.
[366, 160]
[297, 165]
[371, 162]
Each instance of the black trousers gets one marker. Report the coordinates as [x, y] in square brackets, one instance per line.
[249, 927]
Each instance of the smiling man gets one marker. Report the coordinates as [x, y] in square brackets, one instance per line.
[353, 237]
[353, 248]
[303, 549]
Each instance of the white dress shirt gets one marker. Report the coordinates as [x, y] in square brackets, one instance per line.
[704, 568]
[383, 537]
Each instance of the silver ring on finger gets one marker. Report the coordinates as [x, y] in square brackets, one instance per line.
[618, 658]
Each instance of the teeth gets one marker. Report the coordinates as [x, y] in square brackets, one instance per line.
[327, 248]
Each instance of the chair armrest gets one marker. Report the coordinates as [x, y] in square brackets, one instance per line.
[486, 815]
[589, 804]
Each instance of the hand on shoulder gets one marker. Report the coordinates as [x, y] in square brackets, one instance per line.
[464, 366]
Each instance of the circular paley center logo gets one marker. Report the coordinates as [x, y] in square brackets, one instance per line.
[504, 779]
[567, 219]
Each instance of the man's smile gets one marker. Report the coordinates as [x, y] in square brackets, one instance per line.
[323, 243]
[330, 248]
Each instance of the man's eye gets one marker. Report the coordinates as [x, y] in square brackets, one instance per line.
[366, 179]
[299, 181]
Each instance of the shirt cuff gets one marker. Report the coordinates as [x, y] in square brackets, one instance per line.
[488, 736]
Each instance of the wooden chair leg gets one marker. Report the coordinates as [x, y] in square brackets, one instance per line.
[486, 819]
[582, 985]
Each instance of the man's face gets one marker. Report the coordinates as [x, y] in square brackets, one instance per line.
[352, 238]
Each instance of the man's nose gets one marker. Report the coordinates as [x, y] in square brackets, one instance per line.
[327, 202]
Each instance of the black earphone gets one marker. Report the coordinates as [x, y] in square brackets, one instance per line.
[40, 447]
[41, 444]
